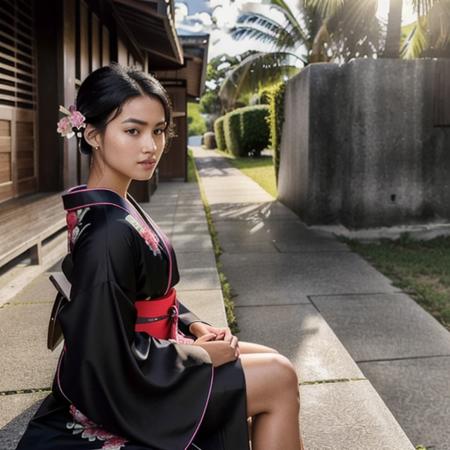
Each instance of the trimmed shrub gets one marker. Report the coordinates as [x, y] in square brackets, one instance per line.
[254, 129]
[264, 95]
[232, 131]
[247, 130]
[209, 140]
[276, 120]
[220, 134]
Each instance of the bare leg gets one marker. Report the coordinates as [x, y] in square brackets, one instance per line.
[251, 347]
[273, 401]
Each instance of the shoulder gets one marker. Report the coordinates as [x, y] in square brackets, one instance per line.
[104, 222]
[105, 247]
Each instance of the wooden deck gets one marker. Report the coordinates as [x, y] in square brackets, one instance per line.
[26, 222]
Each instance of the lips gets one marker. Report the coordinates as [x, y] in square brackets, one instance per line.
[147, 165]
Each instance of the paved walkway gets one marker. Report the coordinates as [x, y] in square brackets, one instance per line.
[340, 321]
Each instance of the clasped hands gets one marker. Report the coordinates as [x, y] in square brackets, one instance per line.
[210, 333]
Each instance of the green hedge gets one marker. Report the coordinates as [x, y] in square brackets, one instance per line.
[276, 120]
[255, 131]
[264, 95]
[246, 130]
[232, 131]
[220, 134]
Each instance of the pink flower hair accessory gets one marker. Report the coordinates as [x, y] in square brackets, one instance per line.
[72, 123]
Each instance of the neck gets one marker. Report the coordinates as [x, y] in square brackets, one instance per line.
[120, 186]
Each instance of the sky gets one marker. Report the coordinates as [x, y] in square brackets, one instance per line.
[196, 16]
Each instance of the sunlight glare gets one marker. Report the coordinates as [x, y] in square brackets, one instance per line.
[408, 14]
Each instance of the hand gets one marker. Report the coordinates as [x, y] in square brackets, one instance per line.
[199, 329]
[219, 351]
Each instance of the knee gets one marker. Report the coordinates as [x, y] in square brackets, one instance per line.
[285, 372]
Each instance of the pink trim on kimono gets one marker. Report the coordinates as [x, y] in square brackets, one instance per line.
[91, 431]
[204, 409]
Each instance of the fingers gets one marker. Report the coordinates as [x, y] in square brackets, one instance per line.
[227, 334]
[206, 337]
[220, 336]
[233, 342]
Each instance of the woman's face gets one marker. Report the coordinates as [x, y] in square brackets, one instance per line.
[134, 136]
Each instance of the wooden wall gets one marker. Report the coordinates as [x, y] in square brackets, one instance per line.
[173, 165]
[18, 136]
[45, 54]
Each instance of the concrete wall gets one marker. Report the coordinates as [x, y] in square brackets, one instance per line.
[359, 147]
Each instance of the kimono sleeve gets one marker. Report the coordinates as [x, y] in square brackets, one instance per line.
[186, 318]
[157, 399]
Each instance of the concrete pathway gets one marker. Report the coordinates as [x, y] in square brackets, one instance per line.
[349, 332]
[27, 367]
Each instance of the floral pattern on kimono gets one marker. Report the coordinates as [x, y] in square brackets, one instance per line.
[75, 226]
[91, 431]
[148, 236]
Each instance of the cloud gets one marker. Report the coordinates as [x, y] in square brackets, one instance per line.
[216, 17]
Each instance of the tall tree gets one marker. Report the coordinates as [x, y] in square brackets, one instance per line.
[318, 30]
[394, 29]
[430, 35]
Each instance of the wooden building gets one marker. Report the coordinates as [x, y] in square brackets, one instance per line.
[47, 47]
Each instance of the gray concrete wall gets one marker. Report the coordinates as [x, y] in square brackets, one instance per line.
[359, 148]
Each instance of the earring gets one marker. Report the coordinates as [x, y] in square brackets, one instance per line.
[97, 147]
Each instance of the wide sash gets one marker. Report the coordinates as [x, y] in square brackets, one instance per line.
[158, 317]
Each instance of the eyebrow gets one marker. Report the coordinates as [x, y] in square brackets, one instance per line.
[140, 122]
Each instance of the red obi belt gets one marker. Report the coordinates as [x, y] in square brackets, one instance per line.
[158, 317]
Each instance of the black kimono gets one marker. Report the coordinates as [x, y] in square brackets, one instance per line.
[115, 388]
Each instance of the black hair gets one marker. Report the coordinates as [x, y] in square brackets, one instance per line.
[107, 88]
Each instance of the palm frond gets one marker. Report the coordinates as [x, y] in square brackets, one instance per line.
[439, 24]
[353, 31]
[326, 8]
[422, 7]
[254, 72]
[257, 26]
[416, 41]
[292, 18]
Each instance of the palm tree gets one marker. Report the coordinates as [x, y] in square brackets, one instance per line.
[429, 36]
[348, 29]
[319, 30]
[394, 29]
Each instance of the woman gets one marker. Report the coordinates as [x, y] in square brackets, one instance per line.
[117, 386]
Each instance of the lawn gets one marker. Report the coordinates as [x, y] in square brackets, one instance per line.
[420, 268]
[259, 169]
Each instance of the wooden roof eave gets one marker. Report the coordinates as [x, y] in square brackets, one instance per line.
[205, 64]
[169, 28]
[126, 35]
[203, 61]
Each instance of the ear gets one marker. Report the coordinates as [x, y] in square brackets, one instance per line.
[92, 136]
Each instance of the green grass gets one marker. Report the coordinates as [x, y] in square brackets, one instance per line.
[226, 288]
[420, 268]
[260, 170]
[191, 177]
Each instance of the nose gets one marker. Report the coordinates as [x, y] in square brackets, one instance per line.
[150, 143]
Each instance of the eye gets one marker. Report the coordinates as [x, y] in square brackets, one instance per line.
[159, 131]
[132, 129]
